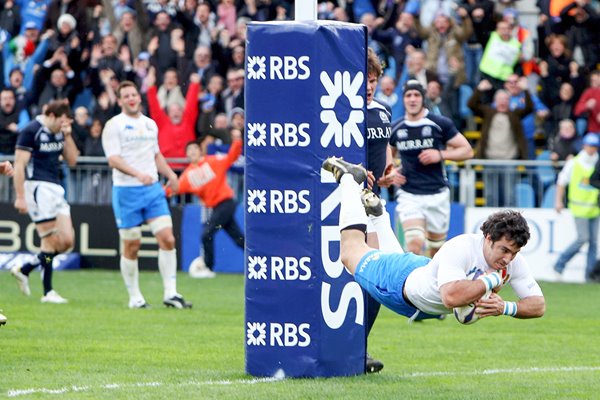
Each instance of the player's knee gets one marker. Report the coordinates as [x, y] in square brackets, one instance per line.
[166, 242]
[160, 223]
[435, 244]
[414, 234]
[130, 234]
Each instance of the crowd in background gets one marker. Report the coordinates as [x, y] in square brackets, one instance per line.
[187, 56]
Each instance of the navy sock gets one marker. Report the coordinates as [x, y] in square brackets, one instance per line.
[46, 263]
[30, 266]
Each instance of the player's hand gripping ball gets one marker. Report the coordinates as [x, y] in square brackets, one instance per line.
[466, 314]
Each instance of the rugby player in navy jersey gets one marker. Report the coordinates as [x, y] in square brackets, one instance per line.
[38, 191]
[6, 168]
[381, 171]
[424, 141]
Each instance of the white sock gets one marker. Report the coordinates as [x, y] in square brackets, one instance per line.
[388, 242]
[167, 265]
[352, 211]
[130, 273]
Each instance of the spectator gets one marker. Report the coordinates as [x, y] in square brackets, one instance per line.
[130, 27]
[434, 101]
[444, 41]
[34, 12]
[177, 126]
[206, 178]
[161, 45]
[502, 135]
[81, 128]
[25, 53]
[170, 91]
[227, 15]
[203, 65]
[233, 95]
[10, 18]
[500, 56]
[211, 103]
[589, 103]
[416, 68]
[106, 56]
[390, 94]
[563, 109]
[397, 39]
[205, 21]
[92, 146]
[481, 13]
[67, 37]
[59, 8]
[582, 199]
[15, 83]
[514, 86]
[11, 120]
[565, 144]
[581, 23]
[55, 80]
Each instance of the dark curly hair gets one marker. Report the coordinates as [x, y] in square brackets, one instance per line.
[509, 224]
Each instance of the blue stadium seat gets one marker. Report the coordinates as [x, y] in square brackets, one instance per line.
[546, 174]
[549, 195]
[524, 195]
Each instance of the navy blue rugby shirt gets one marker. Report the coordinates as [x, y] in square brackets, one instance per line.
[379, 128]
[412, 137]
[45, 148]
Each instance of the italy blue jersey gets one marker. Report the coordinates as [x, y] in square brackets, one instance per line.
[379, 128]
[412, 137]
[45, 148]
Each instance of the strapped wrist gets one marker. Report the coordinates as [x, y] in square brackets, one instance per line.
[510, 308]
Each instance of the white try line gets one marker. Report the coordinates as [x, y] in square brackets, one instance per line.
[506, 371]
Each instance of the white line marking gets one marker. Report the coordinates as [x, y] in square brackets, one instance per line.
[23, 392]
[532, 370]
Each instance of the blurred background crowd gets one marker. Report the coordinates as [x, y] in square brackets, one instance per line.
[475, 58]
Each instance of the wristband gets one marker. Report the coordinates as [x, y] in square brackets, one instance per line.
[491, 280]
[510, 308]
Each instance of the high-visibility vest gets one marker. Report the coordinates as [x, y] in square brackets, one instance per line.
[583, 197]
[500, 57]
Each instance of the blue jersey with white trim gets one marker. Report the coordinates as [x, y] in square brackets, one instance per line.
[45, 148]
[412, 137]
[379, 129]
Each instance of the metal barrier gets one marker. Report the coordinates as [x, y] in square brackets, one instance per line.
[89, 182]
[514, 183]
[483, 183]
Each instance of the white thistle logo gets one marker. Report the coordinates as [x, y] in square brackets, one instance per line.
[256, 334]
[342, 84]
[257, 67]
[253, 271]
[257, 134]
[257, 201]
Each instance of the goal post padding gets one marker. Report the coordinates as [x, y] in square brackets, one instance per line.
[305, 100]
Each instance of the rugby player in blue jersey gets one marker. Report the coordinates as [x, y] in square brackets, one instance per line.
[130, 142]
[39, 147]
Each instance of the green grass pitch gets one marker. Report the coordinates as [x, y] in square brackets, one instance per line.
[94, 347]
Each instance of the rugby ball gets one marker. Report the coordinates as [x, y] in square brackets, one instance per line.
[466, 314]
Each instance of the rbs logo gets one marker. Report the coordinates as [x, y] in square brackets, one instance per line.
[280, 68]
[280, 201]
[280, 335]
[280, 135]
[281, 268]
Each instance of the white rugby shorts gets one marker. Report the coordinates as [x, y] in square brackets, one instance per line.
[45, 200]
[433, 208]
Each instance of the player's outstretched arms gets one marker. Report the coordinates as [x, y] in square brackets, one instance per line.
[529, 307]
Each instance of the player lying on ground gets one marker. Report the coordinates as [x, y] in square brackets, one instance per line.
[418, 287]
